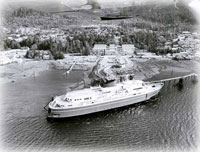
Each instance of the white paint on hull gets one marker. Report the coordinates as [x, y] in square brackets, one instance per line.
[78, 111]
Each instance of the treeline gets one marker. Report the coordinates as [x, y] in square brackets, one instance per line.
[83, 42]
[26, 17]
[54, 46]
[143, 40]
[75, 40]
[80, 43]
[24, 12]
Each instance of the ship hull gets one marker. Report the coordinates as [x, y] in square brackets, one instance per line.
[66, 113]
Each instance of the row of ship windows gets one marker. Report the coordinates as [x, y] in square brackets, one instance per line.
[137, 93]
[84, 99]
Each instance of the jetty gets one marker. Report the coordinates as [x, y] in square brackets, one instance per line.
[180, 79]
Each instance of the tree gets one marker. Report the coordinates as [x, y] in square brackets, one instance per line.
[34, 47]
[58, 55]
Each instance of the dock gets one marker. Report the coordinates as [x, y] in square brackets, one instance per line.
[192, 77]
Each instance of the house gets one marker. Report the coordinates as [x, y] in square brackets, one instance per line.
[175, 46]
[175, 50]
[168, 45]
[186, 33]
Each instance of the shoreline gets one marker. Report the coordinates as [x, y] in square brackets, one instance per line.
[141, 68]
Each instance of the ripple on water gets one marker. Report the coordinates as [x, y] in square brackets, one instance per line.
[164, 123]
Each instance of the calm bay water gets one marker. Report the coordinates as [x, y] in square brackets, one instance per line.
[168, 122]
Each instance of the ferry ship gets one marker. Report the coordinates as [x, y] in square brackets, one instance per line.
[96, 99]
[116, 17]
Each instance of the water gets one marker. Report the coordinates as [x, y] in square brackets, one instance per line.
[166, 123]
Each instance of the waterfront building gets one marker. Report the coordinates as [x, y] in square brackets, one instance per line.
[99, 49]
[113, 49]
[128, 49]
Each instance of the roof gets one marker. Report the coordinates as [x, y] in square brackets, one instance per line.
[128, 46]
[186, 32]
[112, 46]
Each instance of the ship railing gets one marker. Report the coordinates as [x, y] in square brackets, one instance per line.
[46, 106]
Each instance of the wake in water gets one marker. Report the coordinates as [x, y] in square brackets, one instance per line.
[167, 121]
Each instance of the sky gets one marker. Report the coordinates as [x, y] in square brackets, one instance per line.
[193, 4]
[195, 7]
[110, 3]
[104, 3]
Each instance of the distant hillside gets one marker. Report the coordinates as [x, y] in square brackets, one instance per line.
[27, 12]
[26, 17]
[146, 16]
[45, 6]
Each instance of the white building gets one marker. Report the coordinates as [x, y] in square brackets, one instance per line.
[112, 49]
[103, 49]
[128, 49]
[99, 49]
[186, 32]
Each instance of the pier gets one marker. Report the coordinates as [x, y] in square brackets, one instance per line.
[180, 79]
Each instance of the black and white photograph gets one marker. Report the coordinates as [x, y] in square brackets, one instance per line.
[99, 75]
